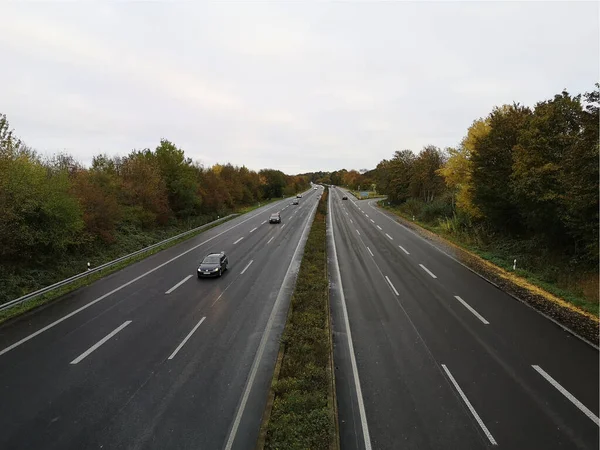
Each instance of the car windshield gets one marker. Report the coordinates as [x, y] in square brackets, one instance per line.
[211, 259]
[274, 216]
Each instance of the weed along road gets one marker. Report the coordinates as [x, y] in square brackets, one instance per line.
[153, 357]
[429, 355]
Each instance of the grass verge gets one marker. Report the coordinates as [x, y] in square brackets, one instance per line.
[300, 412]
[571, 310]
[57, 293]
[45, 299]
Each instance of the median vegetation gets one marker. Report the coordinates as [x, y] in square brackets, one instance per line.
[301, 409]
[59, 214]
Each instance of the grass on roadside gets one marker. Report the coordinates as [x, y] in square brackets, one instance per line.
[86, 281]
[303, 413]
[519, 275]
[55, 294]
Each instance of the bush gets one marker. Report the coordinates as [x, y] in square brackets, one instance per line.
[434, 210]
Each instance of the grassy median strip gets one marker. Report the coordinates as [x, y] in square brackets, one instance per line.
[300, 413]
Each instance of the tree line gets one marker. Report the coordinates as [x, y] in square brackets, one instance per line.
[520, 172]
[54, 205]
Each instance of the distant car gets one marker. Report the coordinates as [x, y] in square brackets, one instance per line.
[345, 197]
[315, 188]
[295, 202]
[299, 196]
[275, 218]
[213, 265]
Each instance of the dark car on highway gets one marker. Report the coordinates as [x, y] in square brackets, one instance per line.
[275, 218]
[213, 265]
[345, 197]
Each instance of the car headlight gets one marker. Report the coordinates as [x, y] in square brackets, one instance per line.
[215, 269]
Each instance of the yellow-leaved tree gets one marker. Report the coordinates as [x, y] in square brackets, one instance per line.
[458, 170]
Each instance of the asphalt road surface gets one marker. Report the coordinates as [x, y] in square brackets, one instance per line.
[151, 356]
[429, 355]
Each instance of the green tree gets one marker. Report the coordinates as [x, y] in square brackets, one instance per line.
[273, 183]
[394, 176]
[549, 136]
[492, 161]
[426, 183]
[40, 218]
[180, 177]
[580, 183]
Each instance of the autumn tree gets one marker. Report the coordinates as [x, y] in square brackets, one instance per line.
[144, 190]
[97, 190]
[458, 170]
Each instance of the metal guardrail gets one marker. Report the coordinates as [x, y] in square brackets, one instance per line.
[82, 275]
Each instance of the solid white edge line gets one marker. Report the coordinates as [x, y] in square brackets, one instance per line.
[468, 403]
[179, 284]
[392, 286]
[361, 403]
[473, 271]
[100, 342]
[428, 271]
[124, 285]
[404, 250]
[391, 238]
[378, 227]
[238, 240]
[269, 241]
[186, 338]
[253, 229]
[370, 251]
[266, 333]
[567, 394]
[246, 268]
[475, 313]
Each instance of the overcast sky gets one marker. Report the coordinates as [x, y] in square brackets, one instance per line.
[294, 86]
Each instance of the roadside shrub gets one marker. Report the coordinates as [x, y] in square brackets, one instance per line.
[434, 210]
[412, 206]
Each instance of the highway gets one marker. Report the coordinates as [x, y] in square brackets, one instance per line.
[429, 355]
[151, 356]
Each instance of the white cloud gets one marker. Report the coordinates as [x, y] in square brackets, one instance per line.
[298, 86]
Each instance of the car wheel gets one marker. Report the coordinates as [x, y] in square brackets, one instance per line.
[220, 272]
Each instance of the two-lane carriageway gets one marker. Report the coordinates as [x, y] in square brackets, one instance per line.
[153, 357]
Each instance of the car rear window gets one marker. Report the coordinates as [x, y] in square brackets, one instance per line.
[211, 259]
